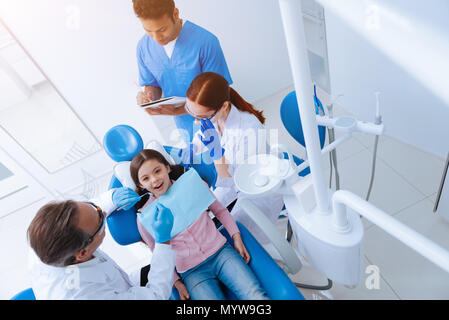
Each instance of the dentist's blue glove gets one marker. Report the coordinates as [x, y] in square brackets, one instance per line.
[122, 196]
[162, 223]
[211, 139]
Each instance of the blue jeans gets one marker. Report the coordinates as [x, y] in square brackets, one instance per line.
[229, 268]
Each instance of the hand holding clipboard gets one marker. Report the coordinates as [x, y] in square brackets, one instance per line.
[173, 106]
[164, 106]
[175, 101]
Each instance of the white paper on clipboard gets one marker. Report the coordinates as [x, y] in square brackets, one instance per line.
[169, 100]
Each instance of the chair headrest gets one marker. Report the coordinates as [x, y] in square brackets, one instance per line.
[122, 143]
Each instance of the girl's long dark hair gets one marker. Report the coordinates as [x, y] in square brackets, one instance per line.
[138, 160]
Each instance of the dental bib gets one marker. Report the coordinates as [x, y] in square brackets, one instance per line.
[187, 198]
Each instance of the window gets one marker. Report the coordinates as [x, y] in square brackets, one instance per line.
[35, 114]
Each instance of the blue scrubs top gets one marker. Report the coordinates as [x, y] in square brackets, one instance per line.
[196, 51]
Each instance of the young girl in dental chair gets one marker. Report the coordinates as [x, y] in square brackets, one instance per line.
[203, 256]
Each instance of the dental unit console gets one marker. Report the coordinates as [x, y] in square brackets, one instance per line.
[332, 245]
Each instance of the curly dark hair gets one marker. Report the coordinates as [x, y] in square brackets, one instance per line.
[153, 9]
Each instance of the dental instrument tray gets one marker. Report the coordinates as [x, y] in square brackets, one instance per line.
[169, 100]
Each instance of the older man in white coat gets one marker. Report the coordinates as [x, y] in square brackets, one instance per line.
[67, 264]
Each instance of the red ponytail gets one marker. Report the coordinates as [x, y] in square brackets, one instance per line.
[242, 105]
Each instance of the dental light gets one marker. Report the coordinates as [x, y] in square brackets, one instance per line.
[326, 224]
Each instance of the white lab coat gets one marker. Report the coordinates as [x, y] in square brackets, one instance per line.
[101, 278]
[239, 144]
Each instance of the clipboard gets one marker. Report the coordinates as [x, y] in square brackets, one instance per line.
[169, 100]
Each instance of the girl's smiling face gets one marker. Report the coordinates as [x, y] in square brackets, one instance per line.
[153, 176]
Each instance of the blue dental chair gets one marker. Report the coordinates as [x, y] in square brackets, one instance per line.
[123, 142]
[291, 120]
[122, 225]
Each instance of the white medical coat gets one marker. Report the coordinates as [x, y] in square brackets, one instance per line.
[101, 278]
[241, 140]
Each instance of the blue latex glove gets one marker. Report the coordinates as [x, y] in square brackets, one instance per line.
[211, 139]
[162, 223]
[122, 196]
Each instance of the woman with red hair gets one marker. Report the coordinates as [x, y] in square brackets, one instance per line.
[230, 132]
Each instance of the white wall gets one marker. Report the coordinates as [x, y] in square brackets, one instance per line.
[252, 38]
[401, 49]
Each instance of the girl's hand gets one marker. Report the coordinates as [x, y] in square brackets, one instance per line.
[182, 290]
[240, 247]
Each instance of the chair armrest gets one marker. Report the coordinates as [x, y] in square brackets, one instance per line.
[122, 224]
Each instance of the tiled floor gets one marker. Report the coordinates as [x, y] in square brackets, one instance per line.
[405, 185]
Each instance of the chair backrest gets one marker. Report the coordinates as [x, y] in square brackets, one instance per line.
[292, 120]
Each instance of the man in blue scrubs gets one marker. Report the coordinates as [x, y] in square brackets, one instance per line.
[171, 55]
